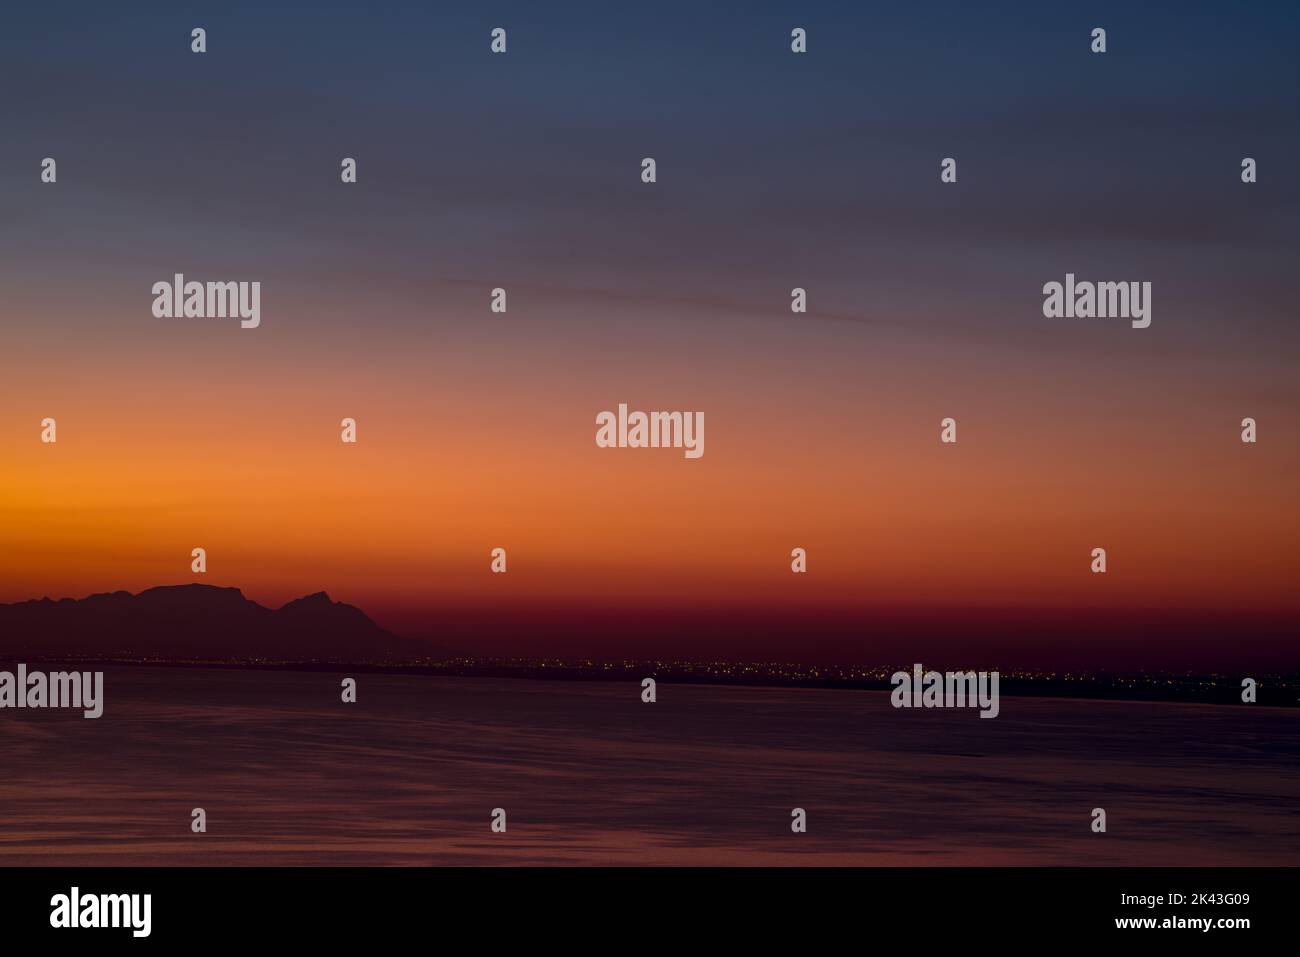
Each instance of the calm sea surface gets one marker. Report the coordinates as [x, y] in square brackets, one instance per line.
[588, 774]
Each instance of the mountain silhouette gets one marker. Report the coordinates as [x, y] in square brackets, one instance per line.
[179, 622]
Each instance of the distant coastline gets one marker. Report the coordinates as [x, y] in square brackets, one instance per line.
[1274, 690]
[203, 626]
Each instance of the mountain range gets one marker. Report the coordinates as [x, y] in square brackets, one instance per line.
[198, 622]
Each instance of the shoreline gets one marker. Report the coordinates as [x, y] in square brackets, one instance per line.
[1275, 692]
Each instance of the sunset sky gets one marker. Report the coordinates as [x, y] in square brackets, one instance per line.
[774, 171]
